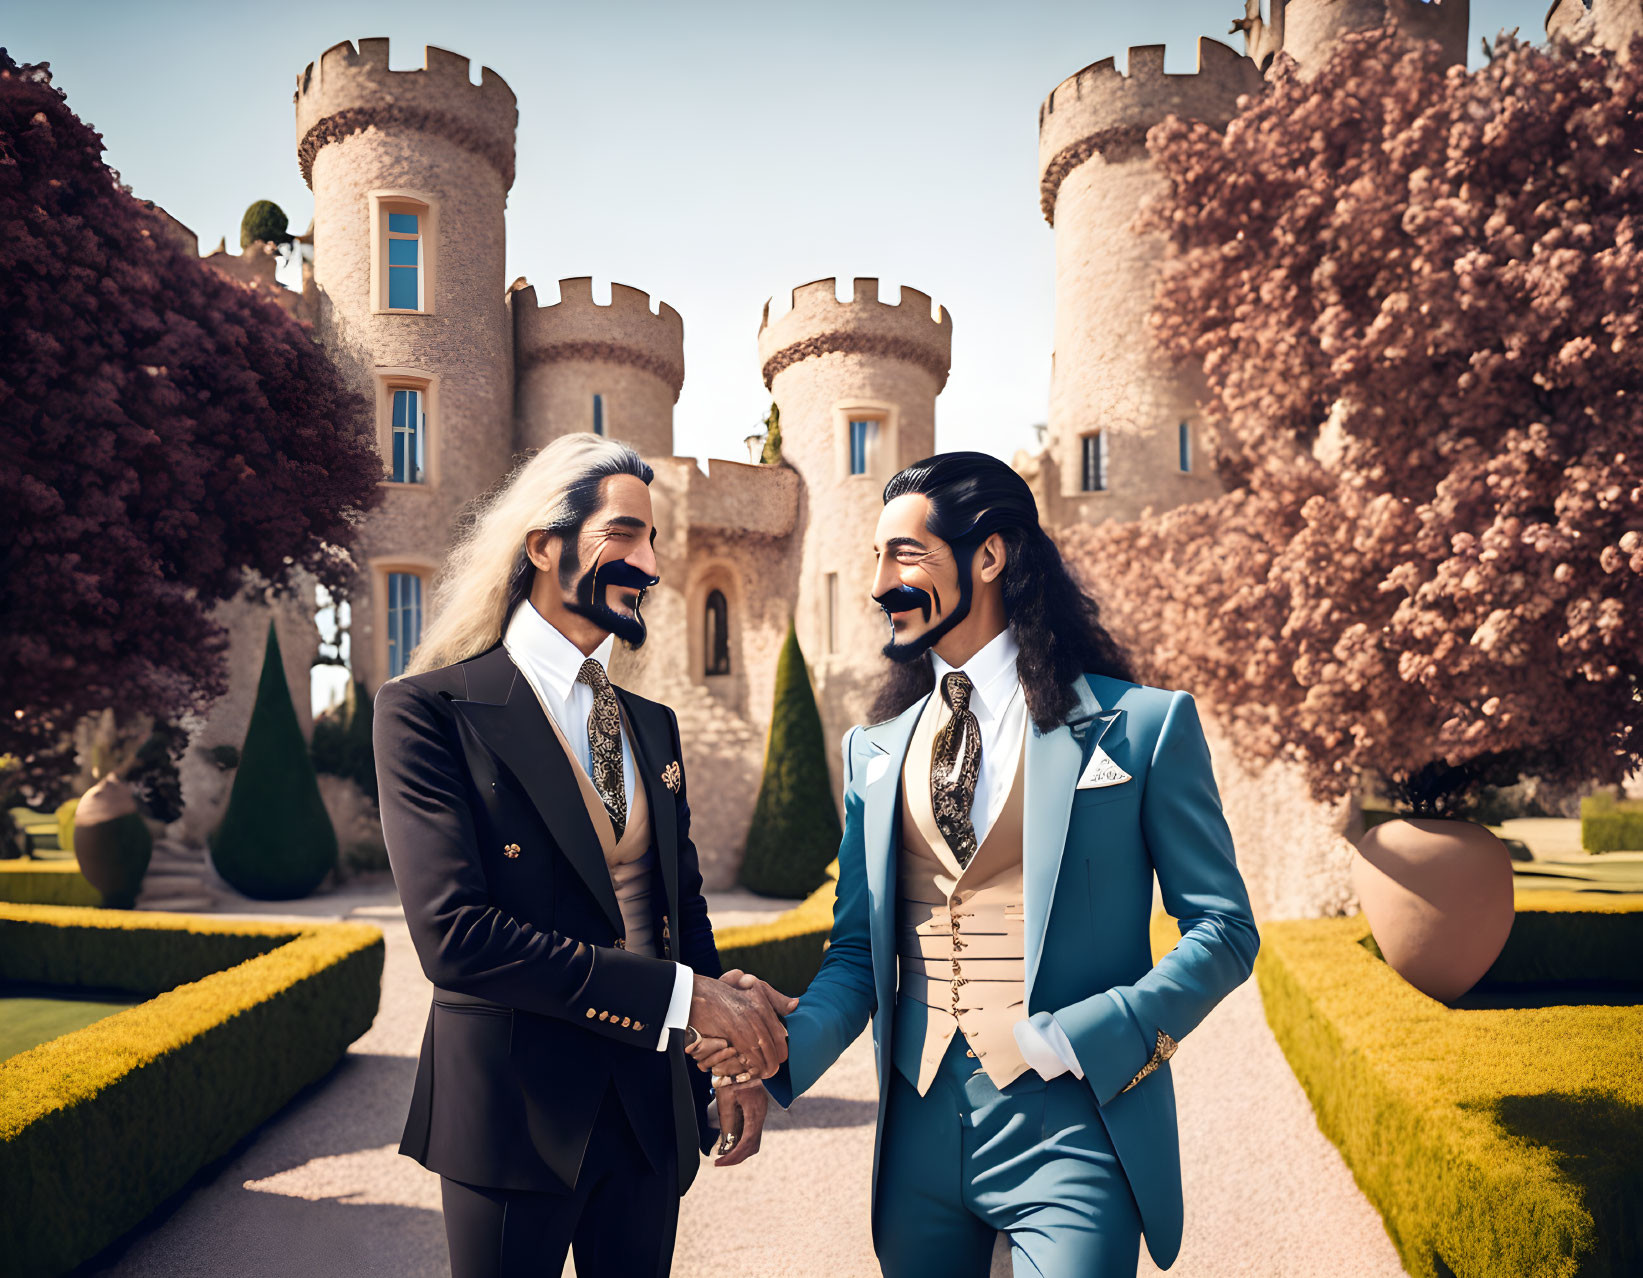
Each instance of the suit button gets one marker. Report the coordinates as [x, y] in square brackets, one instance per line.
[969, 1053]
[637, 1025]
[604, 1015]
[591, 1013]
[621, 943]
[626, 1021]
[512, 850]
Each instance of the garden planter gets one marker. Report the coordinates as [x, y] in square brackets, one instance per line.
[1438, 897]
[112, 842]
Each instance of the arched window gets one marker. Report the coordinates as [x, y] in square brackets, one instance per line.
[716, 638]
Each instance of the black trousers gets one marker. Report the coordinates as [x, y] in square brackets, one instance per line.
[621, 1217]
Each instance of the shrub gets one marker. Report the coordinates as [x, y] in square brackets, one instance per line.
[1608, 824]
[264, 220]
[276, 841]
[795, 830]
[342, 741]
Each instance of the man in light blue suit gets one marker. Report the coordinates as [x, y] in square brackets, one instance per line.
[1003, 823]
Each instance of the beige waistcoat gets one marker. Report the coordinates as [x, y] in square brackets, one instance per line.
[630, 858]
[960, 933]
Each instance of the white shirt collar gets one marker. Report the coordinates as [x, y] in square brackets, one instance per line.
[992, 672]
[531, 639]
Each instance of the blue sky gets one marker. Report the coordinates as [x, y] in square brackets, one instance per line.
[711, 154]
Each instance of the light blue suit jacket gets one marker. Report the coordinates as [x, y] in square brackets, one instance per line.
[1088, 862]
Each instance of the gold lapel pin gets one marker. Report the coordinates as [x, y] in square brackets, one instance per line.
[512, 850]
[670, 776]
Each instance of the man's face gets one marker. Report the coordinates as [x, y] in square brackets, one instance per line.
[918, 579]
[604, 572]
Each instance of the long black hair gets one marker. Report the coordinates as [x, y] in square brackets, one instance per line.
[1057, 626]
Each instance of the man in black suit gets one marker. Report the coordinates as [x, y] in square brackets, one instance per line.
[539, 835]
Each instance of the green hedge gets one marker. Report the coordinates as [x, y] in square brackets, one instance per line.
[1608, 824]
[787, 951]
[99, 1127]
[1496, 1142]
[28, 882]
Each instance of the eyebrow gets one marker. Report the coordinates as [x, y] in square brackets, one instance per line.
[625, 521]
[896, 543]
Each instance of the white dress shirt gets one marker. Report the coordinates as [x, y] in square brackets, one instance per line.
[550, 663]
[1000, 708]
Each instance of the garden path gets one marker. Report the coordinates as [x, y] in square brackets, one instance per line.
[319, 1190]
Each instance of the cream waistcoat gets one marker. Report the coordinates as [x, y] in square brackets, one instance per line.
[630, 858]
[960, 934]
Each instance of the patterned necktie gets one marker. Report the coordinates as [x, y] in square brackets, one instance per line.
[605, 738]
[955, 762]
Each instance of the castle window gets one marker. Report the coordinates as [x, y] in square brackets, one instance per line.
[598, 414]
[1093, 461]
[716, 639]
[404, 262]
[410, 435]
[405, 242]
[1186, 447]
[832, 612]
[863, 436]
[404, 619]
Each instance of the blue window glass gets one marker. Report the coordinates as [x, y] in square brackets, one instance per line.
[401, 252]
[404, 619]
[861, 437]
[410, 431]
[404, 262]
[1186, 447]
[405, 223]
[598, 414]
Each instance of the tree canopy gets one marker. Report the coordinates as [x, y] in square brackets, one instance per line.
[165, 431]
[1415, 294]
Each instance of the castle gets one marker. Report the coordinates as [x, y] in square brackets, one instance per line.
[410, 172]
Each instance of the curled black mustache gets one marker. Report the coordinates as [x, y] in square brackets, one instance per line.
[619, 572]
[904, 599]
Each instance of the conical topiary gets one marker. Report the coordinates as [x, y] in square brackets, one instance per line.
[795, 831]
[275, 841]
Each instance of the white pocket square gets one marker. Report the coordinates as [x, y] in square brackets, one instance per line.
[1100, 771]
[876, 767]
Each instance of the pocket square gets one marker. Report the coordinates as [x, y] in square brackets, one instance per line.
[1100, 771]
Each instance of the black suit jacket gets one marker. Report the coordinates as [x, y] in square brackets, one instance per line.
[537, 1012]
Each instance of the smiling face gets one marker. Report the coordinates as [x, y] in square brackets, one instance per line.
[600, 576]
[918, 583]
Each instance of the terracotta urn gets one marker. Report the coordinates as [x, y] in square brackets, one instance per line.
[1438, 897]
[112, 842]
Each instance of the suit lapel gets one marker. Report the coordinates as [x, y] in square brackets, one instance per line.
[516, 731]
[652, 752]
[1053, 762]
[889, 742]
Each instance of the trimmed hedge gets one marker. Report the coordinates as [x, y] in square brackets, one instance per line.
[787, 951]
[1494, 1141]
[1608, 824]
[99, 1127]
[28, 882]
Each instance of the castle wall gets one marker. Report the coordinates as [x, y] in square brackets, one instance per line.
[1106, 375]
[573, 349]
[826, 362]
[1309, 30]
[1608, 24]
[433, 136]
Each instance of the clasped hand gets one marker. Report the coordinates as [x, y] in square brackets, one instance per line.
[742, 1036]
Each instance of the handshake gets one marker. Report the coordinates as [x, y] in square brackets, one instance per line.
[742, 1042]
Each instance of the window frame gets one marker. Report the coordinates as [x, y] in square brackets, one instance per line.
[382, 568]
[883, 446]
[426, 208]
[1099, 438]
[601, 418]
[389, 380]
[711, 668]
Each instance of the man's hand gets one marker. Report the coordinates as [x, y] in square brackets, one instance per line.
[744, 1019]
[741, 1122]
[715, 1055]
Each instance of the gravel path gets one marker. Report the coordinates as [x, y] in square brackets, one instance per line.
[320, 1190]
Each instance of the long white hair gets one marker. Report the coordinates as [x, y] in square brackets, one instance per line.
[488, 572]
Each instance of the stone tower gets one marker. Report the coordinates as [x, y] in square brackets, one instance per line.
[1308, 30]
[410, 172]
[615, 369]
[1609, 24]
[1122, 420]
[856, 383]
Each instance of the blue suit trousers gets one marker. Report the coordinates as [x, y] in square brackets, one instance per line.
[966, 1161]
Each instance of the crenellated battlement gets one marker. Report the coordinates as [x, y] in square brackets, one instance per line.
[1101, 109]
[1608, 24]
[820, 324]
[351, 89]
[1310, 30]
[624, 331]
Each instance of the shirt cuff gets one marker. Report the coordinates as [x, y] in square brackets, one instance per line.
[678, 1008]
[1046, 1048]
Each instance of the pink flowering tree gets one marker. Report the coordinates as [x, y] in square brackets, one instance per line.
[1416, 294]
